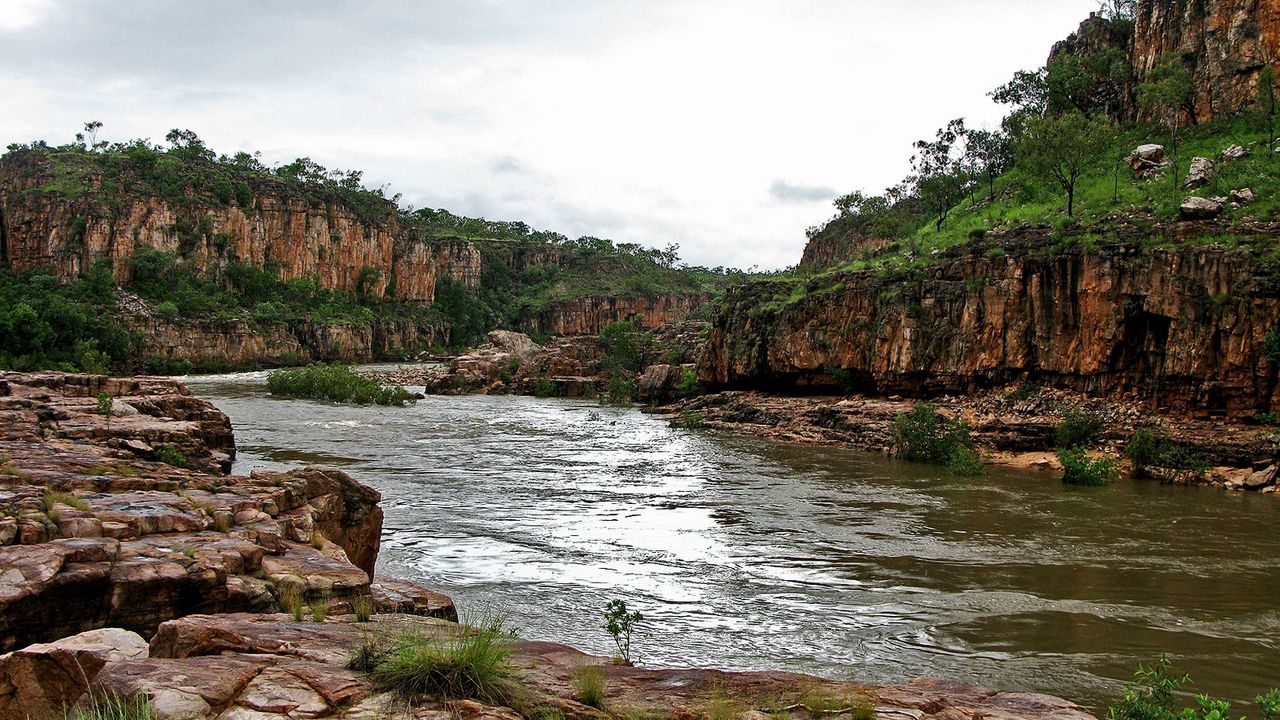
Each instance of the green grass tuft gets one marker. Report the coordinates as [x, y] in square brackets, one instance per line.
[338, 383]
[589, 685]
[465, 663]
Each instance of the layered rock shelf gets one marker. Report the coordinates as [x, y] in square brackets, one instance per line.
[122, 576]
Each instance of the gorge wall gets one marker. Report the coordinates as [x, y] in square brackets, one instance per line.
[1182, 329]
[68, 232]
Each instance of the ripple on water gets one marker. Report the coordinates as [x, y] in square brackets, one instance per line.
[745, 554]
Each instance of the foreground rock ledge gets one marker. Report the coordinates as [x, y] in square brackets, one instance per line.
[245, 666]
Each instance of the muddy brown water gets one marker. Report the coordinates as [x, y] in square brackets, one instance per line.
[745, 554]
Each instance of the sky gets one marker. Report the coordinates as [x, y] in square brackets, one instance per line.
[724, 126]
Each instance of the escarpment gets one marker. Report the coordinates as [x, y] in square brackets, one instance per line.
[298, 236]
[1182, 329]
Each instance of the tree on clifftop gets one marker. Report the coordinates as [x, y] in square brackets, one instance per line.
[1063, 148]
[939, 172]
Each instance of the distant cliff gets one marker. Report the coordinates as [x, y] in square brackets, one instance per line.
[375, 281]
[1182, 328]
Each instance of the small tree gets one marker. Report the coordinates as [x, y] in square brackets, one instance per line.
[939, 173]
[621, 623]
[106, 404]
[1063, 148]
[988, 154]
[1168, 90]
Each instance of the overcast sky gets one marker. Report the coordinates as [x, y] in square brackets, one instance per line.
[726, 126]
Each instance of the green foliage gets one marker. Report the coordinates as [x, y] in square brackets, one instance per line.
[465, 663]
[104, 407]
[171, 455]
[620, 624]
[45, 324]
[291, 602]
[690, 420]
[846, 379]
[1150, 448]
[1153, 695]
[338, 383]
[113, 707]
[1063, 148]
[1078, 428]
[923, 435]
[57, 497]
[620, 387]
[689, 386]
[621, 351]
[544, 388]
[589, 685]
[1079, 469]
[363, 607]
[167, 310]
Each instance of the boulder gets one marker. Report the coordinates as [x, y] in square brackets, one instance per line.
[1243, 196]
[54, 675]
[1147, 160]
[1235, 152]
[1198, 208]
[658, 382]
[1261, 478]
[1202, 171]
[514, 343]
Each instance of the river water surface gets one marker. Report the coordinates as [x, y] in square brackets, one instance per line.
[746, 554]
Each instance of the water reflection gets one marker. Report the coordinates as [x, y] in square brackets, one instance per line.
[744, 554]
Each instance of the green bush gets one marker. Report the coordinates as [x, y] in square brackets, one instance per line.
[689, 420]
[338, 383]
[171, 455]
[621, 624]
[688, 386]
[620, 388]
[544, 388]
[167, 310]
[1079, 469]
[1153, 448]
[465, 663]
[1154, 692]
[589, 685]
[1077, 428]
[923, 435]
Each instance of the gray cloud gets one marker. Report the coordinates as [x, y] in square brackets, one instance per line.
[785, 192]
[507, 164]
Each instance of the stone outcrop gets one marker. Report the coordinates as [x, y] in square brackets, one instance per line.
[589, 315]
[1225, 44]
[1180, 329]
[329, 241]
[95, 532]
[262, 667]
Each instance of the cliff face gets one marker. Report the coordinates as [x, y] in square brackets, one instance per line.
[1182, 329]
[589, 315]
[327, 241]
[1225, 43]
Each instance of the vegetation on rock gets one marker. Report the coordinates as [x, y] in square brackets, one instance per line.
[463, 662]
[1080, 469]
[923, 435]
[338, 383]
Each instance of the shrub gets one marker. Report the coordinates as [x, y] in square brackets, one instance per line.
[688, 385]
[923, 435]
[114, 707]
[689, 420]
[589, 684]
[1150, 448]
[1153, 695]
[363, 607]
[621, 624]
[965, 461]
[620, 389]
[106, 404]
[171, 455]
[1079, 469]
[1077, 429]
[167, 310]
[466, 663]
[338, 383]
[544, 388]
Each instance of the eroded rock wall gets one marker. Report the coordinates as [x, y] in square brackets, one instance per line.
[327, 241]
[1178, 328]
[1225, 43]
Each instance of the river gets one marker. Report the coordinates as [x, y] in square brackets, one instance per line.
[746, 554]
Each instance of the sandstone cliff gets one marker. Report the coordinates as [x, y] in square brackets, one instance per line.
[1179, 328]
[43, 225]
[1226, 43]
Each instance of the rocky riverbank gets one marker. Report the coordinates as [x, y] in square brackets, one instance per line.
[219, 596]
[1013, 426]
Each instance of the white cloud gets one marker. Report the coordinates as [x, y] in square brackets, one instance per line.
[654, 122]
